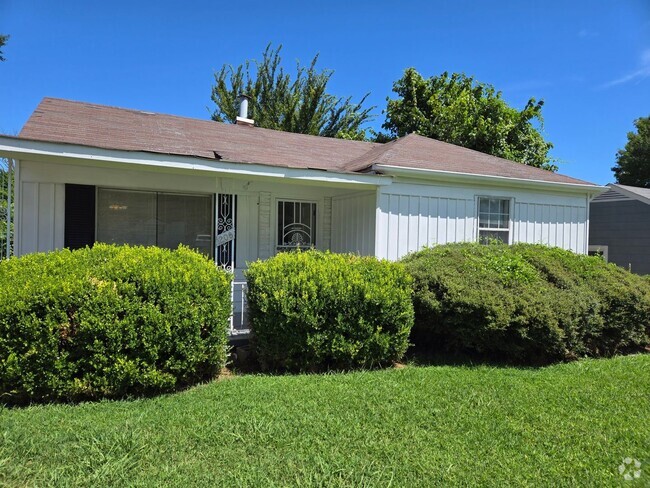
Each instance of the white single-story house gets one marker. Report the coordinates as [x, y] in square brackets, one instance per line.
[87, 173]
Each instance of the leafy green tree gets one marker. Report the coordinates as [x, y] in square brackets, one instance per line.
[300, 105]
[460, 110]
[3, 40]
[633, 162]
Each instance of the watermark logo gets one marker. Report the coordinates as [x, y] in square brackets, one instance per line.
[630, 469]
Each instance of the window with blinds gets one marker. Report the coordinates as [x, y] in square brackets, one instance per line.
[155, 219]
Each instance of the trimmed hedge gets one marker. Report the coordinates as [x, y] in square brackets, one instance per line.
[110, 321]
[526, 303]
[314, 311]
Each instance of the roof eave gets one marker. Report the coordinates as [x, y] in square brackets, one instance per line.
[453, 176]
[19, 148]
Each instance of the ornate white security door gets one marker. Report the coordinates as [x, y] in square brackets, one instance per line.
[225, 239]
[225, 254]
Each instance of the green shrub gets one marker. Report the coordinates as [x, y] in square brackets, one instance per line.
[315, 311]
[623, 297]
[526, 303]
[110, 321]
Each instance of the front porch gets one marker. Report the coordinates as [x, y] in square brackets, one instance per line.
[233, 213]
[255, 220]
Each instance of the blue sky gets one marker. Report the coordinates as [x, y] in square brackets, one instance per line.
[589, 60]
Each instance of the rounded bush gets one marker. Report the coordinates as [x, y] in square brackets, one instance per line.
[314, 311]
[526, 303]
[110, 321]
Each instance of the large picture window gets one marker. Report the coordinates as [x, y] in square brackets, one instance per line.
[493, 219]
[296, 225]
[155, 219]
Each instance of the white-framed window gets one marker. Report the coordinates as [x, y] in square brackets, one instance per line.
[493, 219]
[296, 224]
[152, 218]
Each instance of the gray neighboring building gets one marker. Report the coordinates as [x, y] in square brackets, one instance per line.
[619, 227]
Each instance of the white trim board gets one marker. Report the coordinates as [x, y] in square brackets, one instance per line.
[486, 179]
[55, 152]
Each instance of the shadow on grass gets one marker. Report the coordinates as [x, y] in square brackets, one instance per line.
[432, 356]
[10, 401]
[244, 361]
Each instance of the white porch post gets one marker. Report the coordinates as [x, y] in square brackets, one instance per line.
[9, 198]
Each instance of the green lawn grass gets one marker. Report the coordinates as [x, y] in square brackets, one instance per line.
[564, 425]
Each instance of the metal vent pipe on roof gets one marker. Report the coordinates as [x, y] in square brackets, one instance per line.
[243, 106]
[242, 118]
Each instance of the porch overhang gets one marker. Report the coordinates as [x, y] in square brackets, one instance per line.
[43, 151]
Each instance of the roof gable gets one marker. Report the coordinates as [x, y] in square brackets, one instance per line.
[620, 193]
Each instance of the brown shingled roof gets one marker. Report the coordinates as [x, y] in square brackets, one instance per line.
[86, 124]
[416, 151]
[64, 121]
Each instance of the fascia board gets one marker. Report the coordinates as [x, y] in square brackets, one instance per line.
[452, 176]
[18, 148]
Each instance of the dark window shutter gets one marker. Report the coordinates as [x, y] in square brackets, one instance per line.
[79, 216]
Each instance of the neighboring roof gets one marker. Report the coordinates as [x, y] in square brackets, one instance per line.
[618, 193]
[85, 124]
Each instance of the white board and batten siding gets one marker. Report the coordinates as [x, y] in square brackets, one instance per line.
[353, 223]
[41, 218]
[554, 225]
[41, 209]
[410, 216]
[388, 222]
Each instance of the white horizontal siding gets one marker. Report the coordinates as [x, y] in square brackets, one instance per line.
[353, 224]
